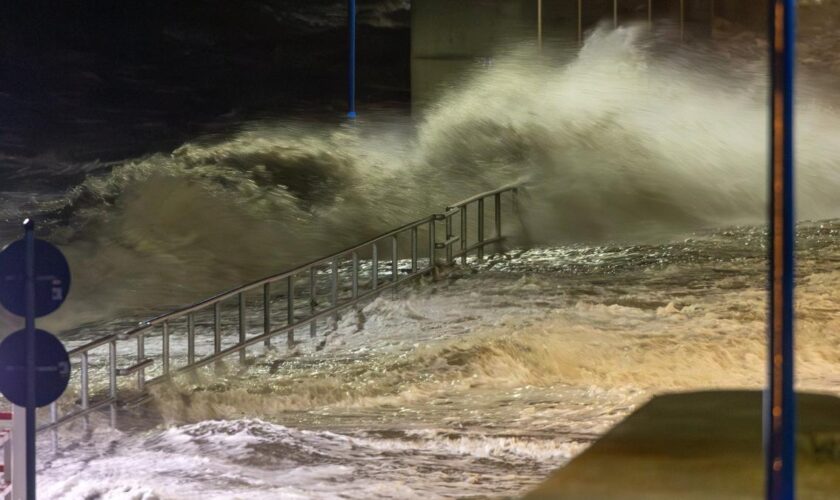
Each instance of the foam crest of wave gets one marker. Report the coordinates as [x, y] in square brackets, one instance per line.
[621, 143]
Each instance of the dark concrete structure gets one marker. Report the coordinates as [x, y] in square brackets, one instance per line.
[699, 446]
[450, 38]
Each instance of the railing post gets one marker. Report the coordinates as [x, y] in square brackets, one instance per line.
[374, 270]
[413, 249]
[432, 242]
[267, 314]
[165, 348]
[217, 327]
[290, 311]
[141, 354]
[334, 290]
[313, 325]
[449, 236]
[112, 368]
[464, 235]
[84, 381]
[190, 339]
[18, 459]
[53, 412]
[395, 265]
[7, 461]
[355, 275]
[243, 326]
[481, 229]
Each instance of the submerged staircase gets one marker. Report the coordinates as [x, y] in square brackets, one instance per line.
[280, 306]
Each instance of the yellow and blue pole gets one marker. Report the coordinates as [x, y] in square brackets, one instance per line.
[29, 291]
[780, 399]
[351, 72]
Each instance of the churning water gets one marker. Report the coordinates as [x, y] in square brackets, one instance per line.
[647, 183]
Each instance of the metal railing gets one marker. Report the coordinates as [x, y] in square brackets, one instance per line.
[282, 305]
[6, 447]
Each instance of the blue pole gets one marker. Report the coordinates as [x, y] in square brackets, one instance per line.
[351, 71]
[29, 290]
[780, 402]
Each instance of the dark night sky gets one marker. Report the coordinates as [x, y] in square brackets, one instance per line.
[82, 80]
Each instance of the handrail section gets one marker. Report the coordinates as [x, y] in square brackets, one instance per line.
[343, 278]
[6, 466]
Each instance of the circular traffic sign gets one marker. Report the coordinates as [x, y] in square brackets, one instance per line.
[52, 368]
[52, 278]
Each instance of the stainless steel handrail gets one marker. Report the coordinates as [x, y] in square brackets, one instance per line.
[378, 283]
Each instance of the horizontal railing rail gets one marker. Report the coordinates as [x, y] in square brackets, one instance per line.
[340, 274]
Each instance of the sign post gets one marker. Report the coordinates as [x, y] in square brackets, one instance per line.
[29, 231]
[780, 399]
[34, 281]
[351, 70]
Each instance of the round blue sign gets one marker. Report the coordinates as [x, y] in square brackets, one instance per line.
[52, 368]
[52, 278]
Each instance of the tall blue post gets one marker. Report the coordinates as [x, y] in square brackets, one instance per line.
[29, 290]
[351, 63]
[780, 402]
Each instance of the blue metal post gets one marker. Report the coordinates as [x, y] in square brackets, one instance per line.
[780, 402]
[29, 290]
[351, 70]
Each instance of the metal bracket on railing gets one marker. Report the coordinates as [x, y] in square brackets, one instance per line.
[130, 370]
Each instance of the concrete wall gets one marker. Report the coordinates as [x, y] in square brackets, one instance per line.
[450, 38]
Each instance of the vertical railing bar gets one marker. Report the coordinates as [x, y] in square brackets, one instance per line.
[464, 235]
[85, 381]
[374, 270]
[290, 311]
[481, 229]
[112, 369]
[190, 339]
[217, 327]
[313, 326]
[449, 235]
[53, 412]
[580, 22]
[141, 354]
[497, 216]
[395, 265]
[165, 347]
[355, 275]
[334, 291]
[414, 250]
[432, 242]
[267, 314]
[243, 326]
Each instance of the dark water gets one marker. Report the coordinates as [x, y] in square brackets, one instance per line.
[87, 83]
